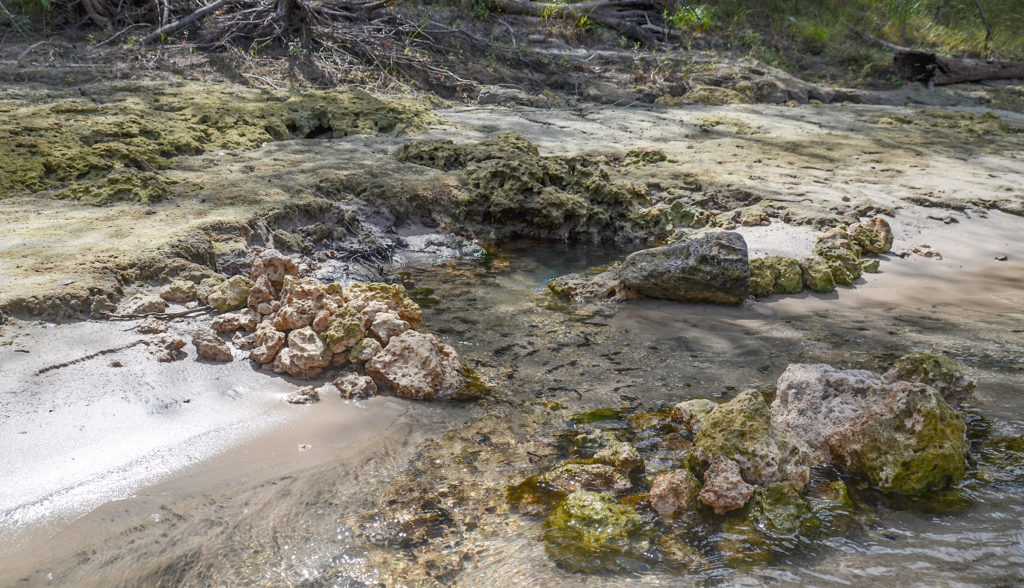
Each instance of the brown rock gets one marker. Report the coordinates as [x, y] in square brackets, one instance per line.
[724, 488]
[365, 350]
[417, 365]
[304, 395]
[674, 492]
[305, 357]
[152, 325]
[165, 347]
[210, 346]
[233, 321]
[355, 387]
[262, 291]
[274, 266]
[242, 342]
[268, 342]
[143, 304]
[180, 291]
[387, 325]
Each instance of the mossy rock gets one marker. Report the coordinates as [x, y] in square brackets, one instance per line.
[937, 371]
[621, 456]
[645, 425]
[123, 184]
[843, 263]
[677, 552]
[817, 274]
[345, 329]
[833, 507]
[592, 533]
[775, 275]
[541, 493]
[392, 294]
[591, 442]
[740, 544]
[869, 265]
[230, 294]
[642, 157]
[1001, 461]
[289, 242]
[597, 416]
[782, 512]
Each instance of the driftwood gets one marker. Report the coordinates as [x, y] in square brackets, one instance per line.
[930, 69]
[183, 22]
[639, 20]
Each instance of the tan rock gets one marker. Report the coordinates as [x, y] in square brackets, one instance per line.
[355, 386]
[304, 395]
[387, 325]
[143, 304]
[242, 342]
[180, 291]
[275, 266]
[304, 357]
[210, 346]
[268, 341]
[294, 315]
[152, 325]
[724, 489]
[226, 323]
[262, 291]
[165, 347]
[365, 350]
[674, 492]
[417, 365]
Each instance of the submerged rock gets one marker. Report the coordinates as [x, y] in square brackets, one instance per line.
[416, 365]
[937, 371]
[781, 511]
[622, 456]
[591, 442]
[210, 346]
[902, 437]
[304, 395]
[674, 492]
[724, 488]
[230, 294]
[767, 452]
[591, 532]
[775, 275]
[705, 266]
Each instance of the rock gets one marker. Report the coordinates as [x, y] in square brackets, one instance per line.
[386, 325]
[304, 395]
[622, 456]
[143, 304]
[869, 266]
[843, 263]
[241, 342]
[937, 371]
[578, 287]
[775, 275]
[274, 266]
[925, 250]
[706, 266]
[591, 442]
[674, 492]
[346, 328]
[268, 341]
[573, 477]
[417, 365]
[286, 241]
[817, 274]
[230, 294]
[165, 347]
[901, 437]
[233, 321]
[262, 291]
[207, 284]
[873, 235]
[210, 346]
[304, 357]
[742, 430]
[151, 326]
[355, 387]
[365, 350]
[180, 291]
[591, 532]
[265, 308]
[294, 315]
[780, 511]
[724, 488]
[360, 295]
[692, 413]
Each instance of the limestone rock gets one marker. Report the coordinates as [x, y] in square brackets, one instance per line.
[417, 365]
[152, 325]
[591, 442]
[874, 235]
[775, 275]
[274, 266]
[574, 477]
[165, 347]
[304, 357]
[304, 395]
[937, 371]
[143, 304]
[691, 413]
[207, 284]
[674, 492]
[365, 350]
[843, 263]
[294, 315]
[230, 294]
[817, 274]
[210, 346]
[706, 266]
[180, 291]
[268, 341]
[387, 325]
[724, 488]
[742, 430]
[241, 342]
[360, 295]
[902, 437]
[355, 387]
[227, 323]
[622, 456]
[586, 286]
[346, 328]
[591, 532]
[262, 291]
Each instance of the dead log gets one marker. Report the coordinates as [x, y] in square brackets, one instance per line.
[183, 22]
[638, 20]
[930, 69]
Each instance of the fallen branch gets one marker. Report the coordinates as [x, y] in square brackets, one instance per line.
[183, 22]
[632, 18]
[930, 69]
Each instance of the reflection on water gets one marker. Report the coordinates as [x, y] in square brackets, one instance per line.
[349, 521]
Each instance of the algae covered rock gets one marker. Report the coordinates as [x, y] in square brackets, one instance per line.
[873, 235]
[622, 456]
[591, 532]
[364, 350]
[230, 294]
[690, 414]
[901, 437]
[843, 263]
[937, 371]
[782, 512]
[869, 266]
[674, 492]
[346, 328]
[817, 274]
[363, 295]
[775, 275]
[742, 430]
[704, 266]
[591, 442]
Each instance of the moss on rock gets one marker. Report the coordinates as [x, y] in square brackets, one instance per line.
[817, 274]
[591, 532]
[775, 275]
[229, 294]
[345, 329]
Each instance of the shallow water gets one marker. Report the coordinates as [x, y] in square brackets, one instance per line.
[246, 518]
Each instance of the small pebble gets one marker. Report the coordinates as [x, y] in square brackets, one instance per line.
[304, 446]
[116, 363]
[1000, 258]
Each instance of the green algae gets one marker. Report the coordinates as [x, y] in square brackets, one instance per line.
[597, 416]
[590, 532]
[775, 275]
[817, 274]
[345, 329]
[937, 371]
[84, 138]
[392, 294]
[956, 120]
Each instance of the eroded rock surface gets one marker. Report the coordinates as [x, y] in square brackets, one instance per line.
[417, 365]
[674, 492]
[724, 489]
[210, 346]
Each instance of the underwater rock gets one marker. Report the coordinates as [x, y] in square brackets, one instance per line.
[268, 341]
[591, 442]
[365, 350]
[230, 294]
[387, 325]
[781, 511]
[274, 266]
[724, 488]
[355, 387]
[143, 304]
[210, 346]
[233, 321]
[416, 365]
[180, 291]
[690, 414]
[573, 477]
[817, 274]
[346, 328]
[599, 286]
[704, 266]
[622, 456]
[767, 452]
[775, 275]
[902, 437]
[304, 357]
[591, 532]
[674, 492]
[937, 371]
[165, 347]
